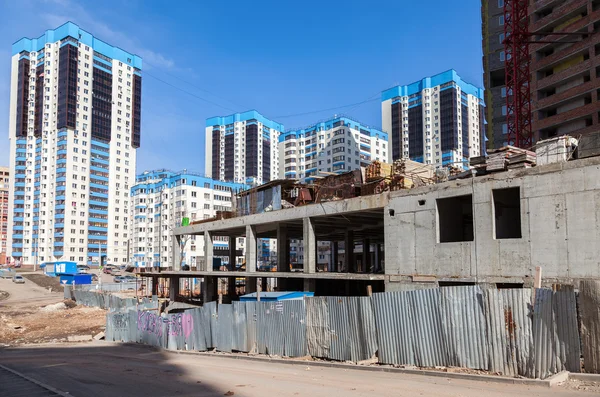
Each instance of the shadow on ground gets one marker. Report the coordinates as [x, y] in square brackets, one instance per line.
[107, 370]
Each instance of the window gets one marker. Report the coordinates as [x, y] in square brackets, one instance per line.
[455, 219]
[504, 110]
[501, 20]
[507, 213]
[504, 129]
[500, 3]
[503, 92]
[501, 37]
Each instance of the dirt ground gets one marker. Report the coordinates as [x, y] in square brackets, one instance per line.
[44, 281]
[26, 325]
[581, 385]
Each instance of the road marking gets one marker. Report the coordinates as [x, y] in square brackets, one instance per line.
[53, 365]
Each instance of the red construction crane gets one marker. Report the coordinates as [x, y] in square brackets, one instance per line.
[517, 38]
[518, 93]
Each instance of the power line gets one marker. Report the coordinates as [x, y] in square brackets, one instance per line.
[327, 110]
[196, 87]
[188, 92]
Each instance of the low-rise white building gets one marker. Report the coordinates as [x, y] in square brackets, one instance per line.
[161, 201]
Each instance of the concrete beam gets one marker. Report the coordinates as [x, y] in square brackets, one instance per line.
[208, 252]
[251, 242]
[310, 246]
[357, 204]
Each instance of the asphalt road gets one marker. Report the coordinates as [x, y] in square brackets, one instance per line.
[106, 369]
[26, 294]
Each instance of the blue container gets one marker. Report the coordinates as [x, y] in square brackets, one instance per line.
[59, 268]
[77, 278]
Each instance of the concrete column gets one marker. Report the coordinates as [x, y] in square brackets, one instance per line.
[310, 246]
[250, 285]
[231, 287]
[334, 257]
[173, 288]
[176, 257]
[209, 289]
[208, 251]
[251, 249]
[232, 250]
[377, 265]
[154, 285]
[263, 284]
[309, 284]
[283, 249]
[349, 263]
[366, 256]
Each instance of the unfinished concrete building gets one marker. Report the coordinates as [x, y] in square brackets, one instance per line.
[494, 229]
[565, 72]
[565, 68]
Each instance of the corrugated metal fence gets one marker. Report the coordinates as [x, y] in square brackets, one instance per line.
[503, 331]
[112, 302]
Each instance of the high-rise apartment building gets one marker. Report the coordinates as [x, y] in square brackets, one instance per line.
[160, 200]
[4, 193]
[75, 114]
[564, 68]
[337, 145]
[242, 148]
[492, 29]
[438, 120]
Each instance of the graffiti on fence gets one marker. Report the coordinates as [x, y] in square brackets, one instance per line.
[120, 321]
[150, 323]
[181, 324]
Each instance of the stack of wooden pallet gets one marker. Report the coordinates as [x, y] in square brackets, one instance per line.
[505, 158]
[377, 170]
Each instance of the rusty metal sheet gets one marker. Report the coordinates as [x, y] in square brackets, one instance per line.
[510, 333]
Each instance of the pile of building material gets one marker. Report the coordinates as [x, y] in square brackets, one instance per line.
[377, 170]
[505, 158]
[555, 150]
[588, 145]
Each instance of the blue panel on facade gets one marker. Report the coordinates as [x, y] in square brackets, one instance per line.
[72, 30]
[245, 116]
[429, 82]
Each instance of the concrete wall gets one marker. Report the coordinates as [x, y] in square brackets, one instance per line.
[560, 213]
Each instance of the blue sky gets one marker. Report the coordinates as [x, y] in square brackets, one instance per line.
[291, 61]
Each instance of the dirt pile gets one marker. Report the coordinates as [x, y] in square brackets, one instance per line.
[44, 281]
[54, 323]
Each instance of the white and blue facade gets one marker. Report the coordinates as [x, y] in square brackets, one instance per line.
[160, 201]
[75, 121]
[438, 120]
[337, 145]
[242, 148]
